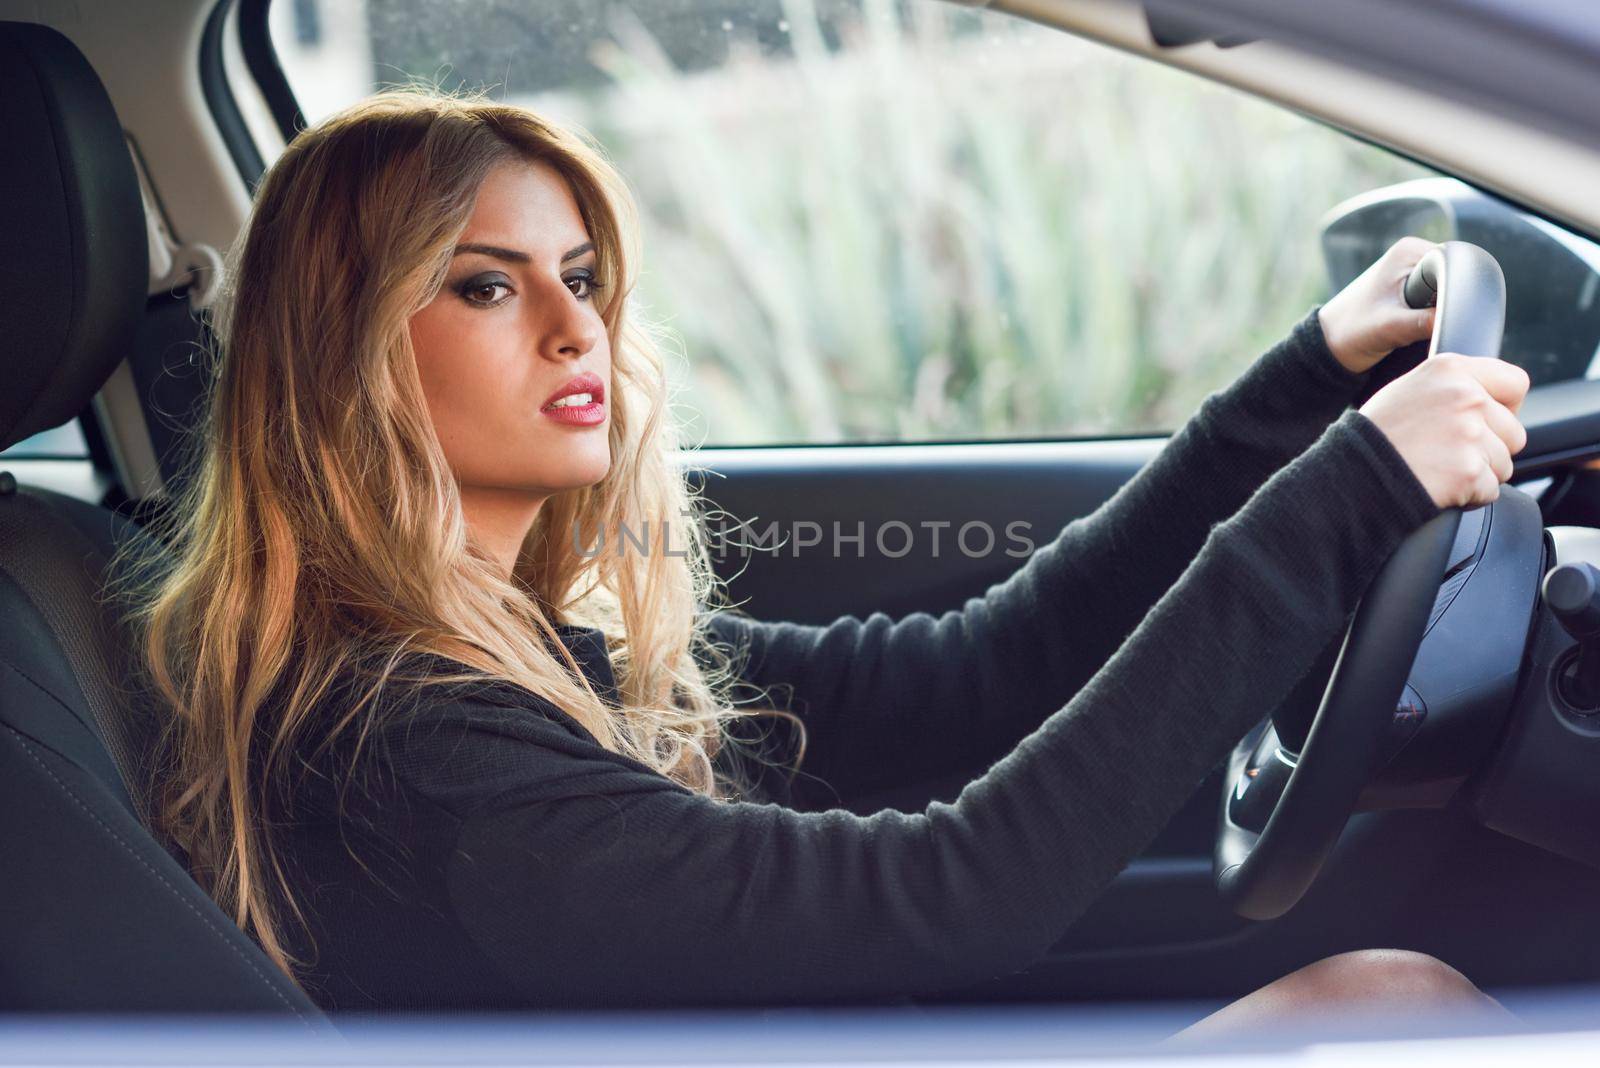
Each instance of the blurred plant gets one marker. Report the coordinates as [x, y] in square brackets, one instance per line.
[949, 224]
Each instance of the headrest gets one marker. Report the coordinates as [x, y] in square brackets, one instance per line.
[73, 261]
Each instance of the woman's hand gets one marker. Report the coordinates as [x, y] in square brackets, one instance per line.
[1454, 421]
[1369, 318]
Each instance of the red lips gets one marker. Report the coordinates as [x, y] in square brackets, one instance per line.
[588, 382]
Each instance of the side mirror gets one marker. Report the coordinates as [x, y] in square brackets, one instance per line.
[1552, 276]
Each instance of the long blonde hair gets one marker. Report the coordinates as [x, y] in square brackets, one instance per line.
[321, 536]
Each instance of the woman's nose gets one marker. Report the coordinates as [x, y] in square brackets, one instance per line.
[567, 328]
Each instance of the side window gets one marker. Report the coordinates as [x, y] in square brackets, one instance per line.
[64, 442]
[882, 221]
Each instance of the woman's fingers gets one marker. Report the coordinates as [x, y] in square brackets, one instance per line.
[1486, 489]
[1498, 455]
[1408, 251]
[1453, 420]
[1506, 426]
[1506, 382]
[1368, 318]
[1413, 324]
[1420, 325]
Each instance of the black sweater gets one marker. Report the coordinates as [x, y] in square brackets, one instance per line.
[500, 857]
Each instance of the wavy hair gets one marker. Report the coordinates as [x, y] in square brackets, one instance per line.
[320, 537]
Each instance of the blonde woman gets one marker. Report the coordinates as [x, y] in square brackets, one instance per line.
[431, 751]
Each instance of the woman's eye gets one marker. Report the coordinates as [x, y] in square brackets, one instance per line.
[583, 285]
[482, 291]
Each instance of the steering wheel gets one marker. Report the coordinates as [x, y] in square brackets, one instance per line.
[1283, 811]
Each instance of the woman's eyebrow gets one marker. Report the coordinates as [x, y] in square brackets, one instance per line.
[513, 256]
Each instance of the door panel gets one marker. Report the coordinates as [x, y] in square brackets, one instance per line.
[893, 491]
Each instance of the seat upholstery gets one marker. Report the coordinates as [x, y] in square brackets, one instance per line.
[97, 914]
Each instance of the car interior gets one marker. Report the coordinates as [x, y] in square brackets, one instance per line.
[1464, 830]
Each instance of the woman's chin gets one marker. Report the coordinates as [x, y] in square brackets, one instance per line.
[586, 471]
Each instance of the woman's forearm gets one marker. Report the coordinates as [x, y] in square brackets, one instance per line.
[891, 701]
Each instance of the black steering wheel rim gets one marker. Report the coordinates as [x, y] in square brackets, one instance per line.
[1262, 873]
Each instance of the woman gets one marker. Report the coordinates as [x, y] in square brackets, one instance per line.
[432, 750]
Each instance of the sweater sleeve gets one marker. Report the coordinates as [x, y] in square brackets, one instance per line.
[590, 880]
[888, 702]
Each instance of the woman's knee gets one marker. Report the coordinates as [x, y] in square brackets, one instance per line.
[1379, 977]
[1367, 983]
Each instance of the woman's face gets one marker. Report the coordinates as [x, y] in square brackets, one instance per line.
[514, 329]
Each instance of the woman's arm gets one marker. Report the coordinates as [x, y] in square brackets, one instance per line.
[890, 702]
[590, 880]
